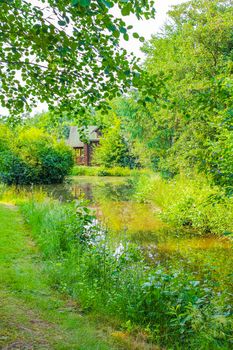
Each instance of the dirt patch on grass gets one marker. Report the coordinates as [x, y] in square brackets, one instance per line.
[19, 345]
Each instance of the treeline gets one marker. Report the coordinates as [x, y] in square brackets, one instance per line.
[181, 117]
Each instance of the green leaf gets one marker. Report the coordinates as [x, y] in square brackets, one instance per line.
[126, 10]
[123, 30]
[136, 35]
[107, 3]
[85, 3]
[74, 2]
[116, 33]
[62, 23]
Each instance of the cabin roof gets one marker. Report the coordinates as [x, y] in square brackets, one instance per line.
[74, 135]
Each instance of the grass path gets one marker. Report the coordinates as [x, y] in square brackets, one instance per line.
[32, 316]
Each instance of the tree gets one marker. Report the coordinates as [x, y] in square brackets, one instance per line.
[114, 148]
[65, 51]
[187, 91]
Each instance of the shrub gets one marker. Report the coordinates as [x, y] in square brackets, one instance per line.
[85, 170]
[35, 157]
[189, 202]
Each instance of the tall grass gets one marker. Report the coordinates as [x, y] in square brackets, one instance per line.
[17, 194]
[189, 202]
[176, 306]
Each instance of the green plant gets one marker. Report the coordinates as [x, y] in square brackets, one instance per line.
[190, 202]
[102, 171]
[52, 62]
[35, 157]
[114, 148]
[174, 302]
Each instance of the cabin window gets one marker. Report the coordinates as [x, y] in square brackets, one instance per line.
[79, 152]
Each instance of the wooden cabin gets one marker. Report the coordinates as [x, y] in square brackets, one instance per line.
[83, 150]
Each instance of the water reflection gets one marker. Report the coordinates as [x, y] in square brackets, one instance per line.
[112, 199]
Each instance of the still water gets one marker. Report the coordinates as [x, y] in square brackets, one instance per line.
[112, 200]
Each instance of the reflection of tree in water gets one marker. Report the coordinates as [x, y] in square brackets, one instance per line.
[94, 192]
[57, 191]
[113, 192]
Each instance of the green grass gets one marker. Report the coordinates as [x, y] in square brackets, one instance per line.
[101, 171]
[31, 314]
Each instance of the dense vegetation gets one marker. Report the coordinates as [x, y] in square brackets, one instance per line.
[181, 119]
[66, 52]
[176, 304]
[173, 138]
[31, 156]
[114, 149]
[188, 203]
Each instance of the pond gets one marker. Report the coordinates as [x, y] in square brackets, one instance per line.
[112, 200]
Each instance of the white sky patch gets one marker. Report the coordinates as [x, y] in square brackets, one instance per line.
[144, 28]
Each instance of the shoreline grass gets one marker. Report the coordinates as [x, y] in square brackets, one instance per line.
[188, 203]
[31, 313]
[102, 171]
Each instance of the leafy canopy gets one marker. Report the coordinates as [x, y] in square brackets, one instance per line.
[65, 51]
[186, 116]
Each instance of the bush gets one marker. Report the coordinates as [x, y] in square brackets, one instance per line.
[189, 202]
[34, 157]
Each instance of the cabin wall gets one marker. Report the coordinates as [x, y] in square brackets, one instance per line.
[83, 155]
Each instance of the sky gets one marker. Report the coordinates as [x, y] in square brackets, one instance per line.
[144, 28]
[147, 28]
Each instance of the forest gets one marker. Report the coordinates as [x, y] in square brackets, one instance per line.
[133, 251]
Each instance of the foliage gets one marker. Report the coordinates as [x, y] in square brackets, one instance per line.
[181, 115]
[114, 149]
[189, 203]
[34, 157]
[65, 51]
[174, 305]
[50, 123]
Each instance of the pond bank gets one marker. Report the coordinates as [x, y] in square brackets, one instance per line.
[170, 286]
[32, 316]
